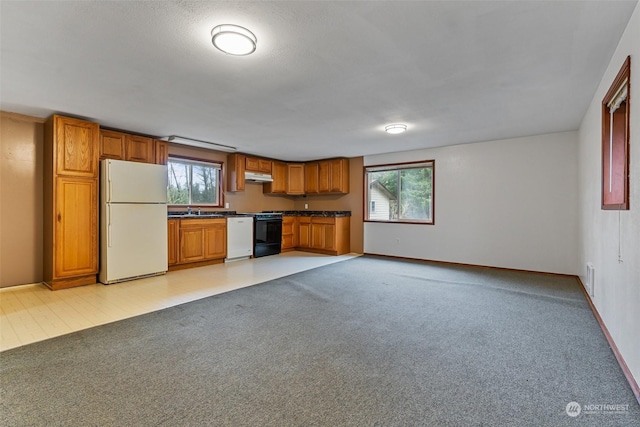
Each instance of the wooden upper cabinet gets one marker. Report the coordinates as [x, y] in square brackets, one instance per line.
[161, 152]
[76, 227]
[235, 172]
[332, 176]
[139, 149]
[324, 176]
[295, 179]
[279, 175]
[340, 175]
[311, 178]
[264, 166]
[123, 146]
[76, 144]
[254, 164]
[112, 144]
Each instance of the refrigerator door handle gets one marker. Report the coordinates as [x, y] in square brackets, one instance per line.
[110, 191]
[109, 225]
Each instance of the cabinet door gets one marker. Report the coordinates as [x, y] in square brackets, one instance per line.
[252, 164]
[76, 143]
[311, 178]
[191, 244]
[288, 232]
[264, 166]
[172, 241]
[76, 227]
[139, 149]
[329, 237]
[295, 179]
[279, 175]
[304, 233]
[215, 238]
[112, 145]
[317, 236]
[235, 172]
[340, 176]
[324, 176]
[161, 152]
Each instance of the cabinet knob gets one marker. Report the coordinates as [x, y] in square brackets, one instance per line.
[59, 217]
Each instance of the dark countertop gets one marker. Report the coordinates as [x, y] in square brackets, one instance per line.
[204, 215]
[328, 214]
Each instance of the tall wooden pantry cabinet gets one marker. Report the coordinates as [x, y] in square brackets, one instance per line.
[71, 151]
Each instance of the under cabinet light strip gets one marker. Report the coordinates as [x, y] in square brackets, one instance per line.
[198, 143]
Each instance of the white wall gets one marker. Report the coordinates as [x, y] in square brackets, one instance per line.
[509, 203]
[617, 285]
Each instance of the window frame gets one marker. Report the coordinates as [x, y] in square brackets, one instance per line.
[617, 196]
[202, 162]
[400, 166]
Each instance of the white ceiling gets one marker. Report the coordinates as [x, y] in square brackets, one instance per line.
[326, 76]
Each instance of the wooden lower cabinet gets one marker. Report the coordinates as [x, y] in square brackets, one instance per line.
[215, 241]
[304, 233]
[172, 237]
[289, 233]
[76, 227]
[324, 235]
[199, 242]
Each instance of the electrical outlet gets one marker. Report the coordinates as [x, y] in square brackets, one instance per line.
[306, 205]
[226, 205]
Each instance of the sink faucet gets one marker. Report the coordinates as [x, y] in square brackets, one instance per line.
[198, 211]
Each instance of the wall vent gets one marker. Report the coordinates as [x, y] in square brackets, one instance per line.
[591, 279]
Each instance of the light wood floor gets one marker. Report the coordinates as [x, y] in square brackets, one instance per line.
[33, 313]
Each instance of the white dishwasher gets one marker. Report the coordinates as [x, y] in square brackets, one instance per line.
[239, 238]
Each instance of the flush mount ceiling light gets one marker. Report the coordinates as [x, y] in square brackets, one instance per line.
[395, 128]
[233, 39]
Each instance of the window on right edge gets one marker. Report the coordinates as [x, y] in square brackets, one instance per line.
[400, 192]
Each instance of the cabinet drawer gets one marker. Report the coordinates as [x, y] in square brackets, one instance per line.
[323, 220]
[186, 223]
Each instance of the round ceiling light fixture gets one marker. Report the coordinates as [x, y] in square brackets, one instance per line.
[395, 128]
[233, 39]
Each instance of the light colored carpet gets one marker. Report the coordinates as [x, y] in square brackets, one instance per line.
[363, 342]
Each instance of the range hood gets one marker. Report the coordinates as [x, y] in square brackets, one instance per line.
[257, 177]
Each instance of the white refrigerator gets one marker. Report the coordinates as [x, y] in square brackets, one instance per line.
[133, 220]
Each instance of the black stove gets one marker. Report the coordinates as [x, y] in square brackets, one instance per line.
[267, 215]
[267, 233]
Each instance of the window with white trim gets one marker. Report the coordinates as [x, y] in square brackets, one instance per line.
[194, 182]
[400, 192]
